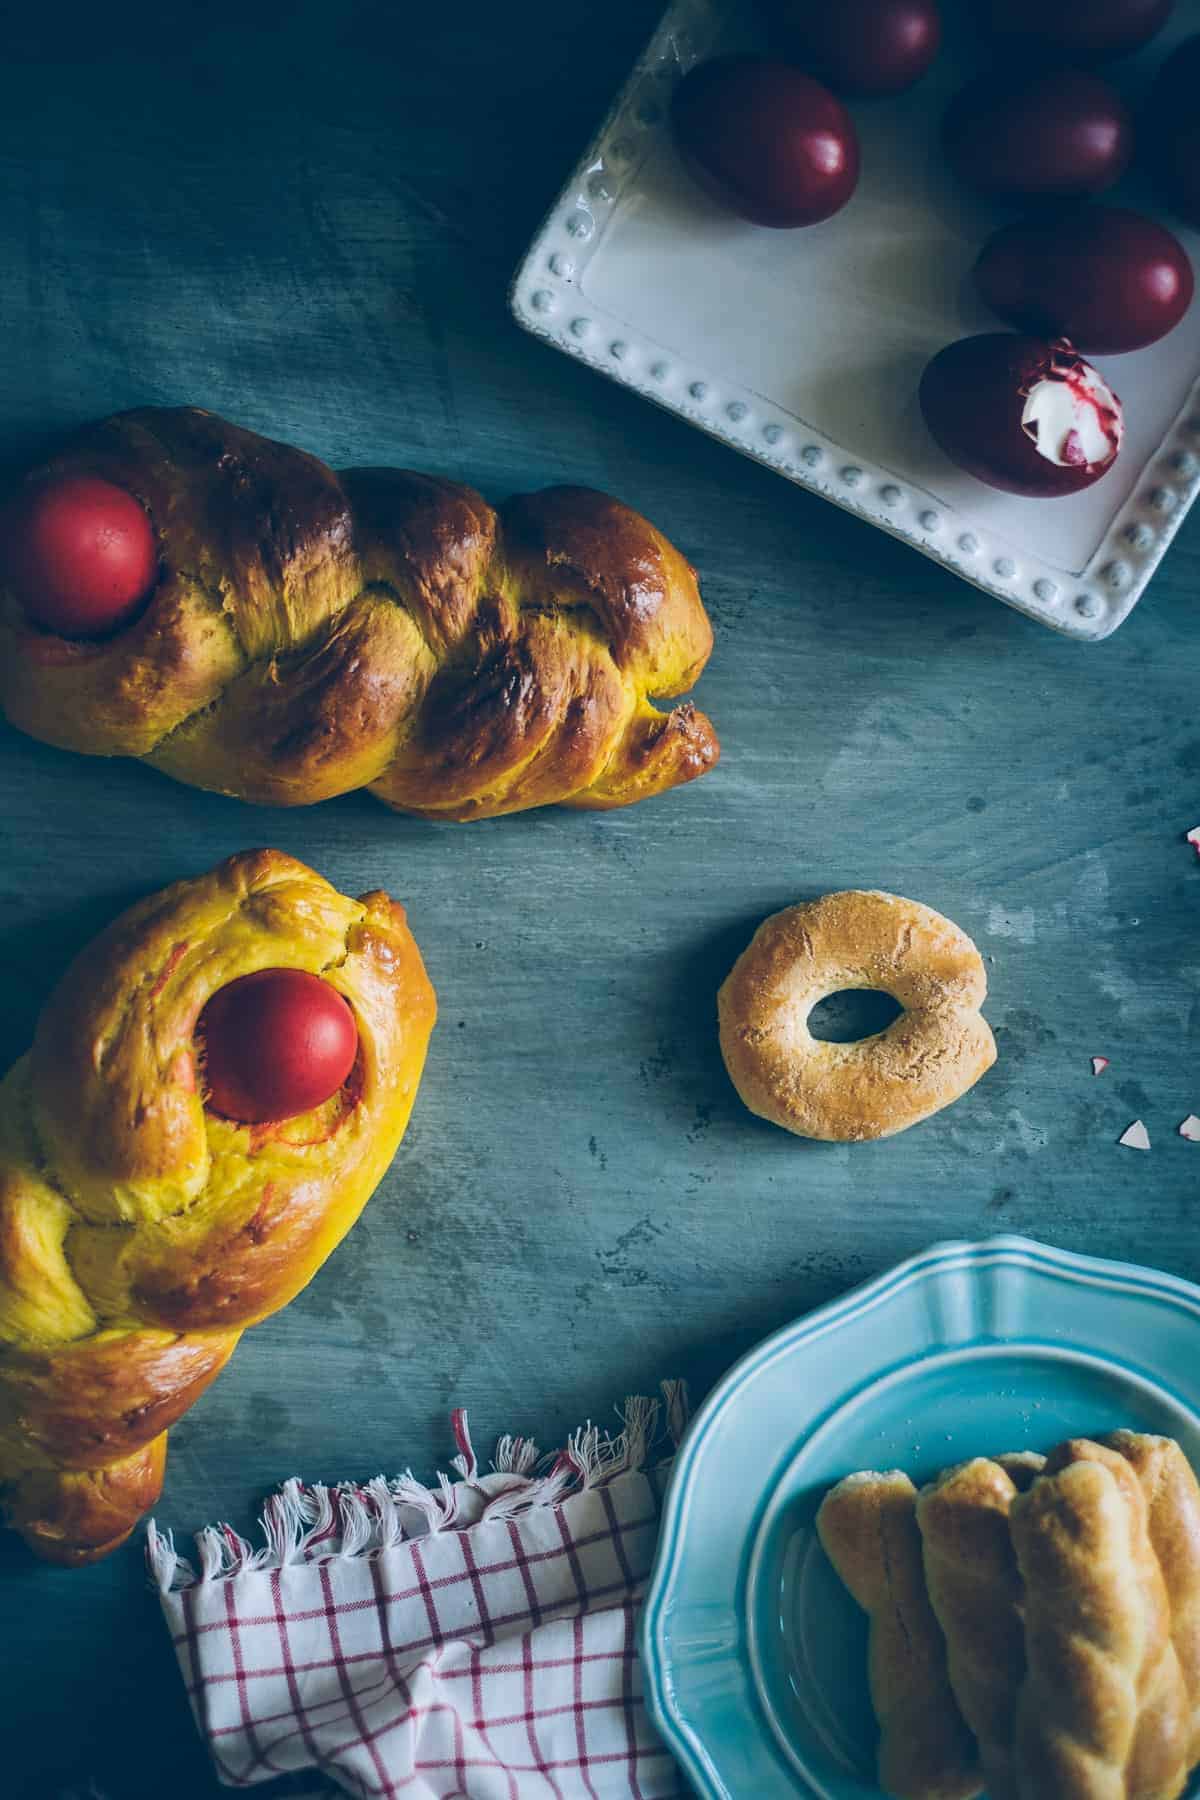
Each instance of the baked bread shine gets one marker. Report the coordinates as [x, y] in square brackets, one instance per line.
[140, 1233]
[314, 632]
[1061, 1593]
[975, 1590]
[1173, 1498]
[1103, 1711]
[867, 1525]
[927, 1058]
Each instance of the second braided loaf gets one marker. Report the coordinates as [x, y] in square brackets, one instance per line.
[313, 632]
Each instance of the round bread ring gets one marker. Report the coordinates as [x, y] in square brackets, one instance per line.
[845, 1093]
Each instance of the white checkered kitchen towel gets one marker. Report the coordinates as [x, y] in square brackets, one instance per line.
[473, 1641]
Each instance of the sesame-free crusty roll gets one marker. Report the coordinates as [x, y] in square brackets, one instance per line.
[847, 1093]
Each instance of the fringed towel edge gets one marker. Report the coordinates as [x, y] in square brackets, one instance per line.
[305, 1523]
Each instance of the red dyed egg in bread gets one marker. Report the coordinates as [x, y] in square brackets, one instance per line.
[276, 1043]
[79, 553]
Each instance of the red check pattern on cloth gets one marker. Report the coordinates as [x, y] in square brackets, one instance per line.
[471, 1642]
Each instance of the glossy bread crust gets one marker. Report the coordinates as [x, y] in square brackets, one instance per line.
[139, 1233]
[1104, 1706]
[314, 632]
[975, 1591]
[1173, 1498]
[867, 1526]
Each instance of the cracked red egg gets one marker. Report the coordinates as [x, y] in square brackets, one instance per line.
[1022, 414]
[766, 140]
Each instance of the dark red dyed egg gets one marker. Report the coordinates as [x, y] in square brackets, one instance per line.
[862, 47]
[1038, 134]
[766, 140]
[79, 553]
[275, 1043]
[1172, 129]
[1022, 414]
[1108, 279]
[1080, 28]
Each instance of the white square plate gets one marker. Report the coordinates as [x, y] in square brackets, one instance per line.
[803, 348]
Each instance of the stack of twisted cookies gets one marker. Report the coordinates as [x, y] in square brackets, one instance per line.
[1034, 1621]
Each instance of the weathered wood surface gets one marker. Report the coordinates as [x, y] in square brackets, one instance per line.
[305, 217]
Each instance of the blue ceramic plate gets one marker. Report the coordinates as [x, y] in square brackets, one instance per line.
[755, 1656]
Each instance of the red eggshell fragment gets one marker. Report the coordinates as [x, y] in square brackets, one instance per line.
[766, 140]
[1172, 128]
[275, 1043]
[1083, 29]
[79, 553]
[1038, 134]
[863, 47]
[973, 396]
[1109, 279]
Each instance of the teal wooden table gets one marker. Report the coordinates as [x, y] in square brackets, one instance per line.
[305, 216]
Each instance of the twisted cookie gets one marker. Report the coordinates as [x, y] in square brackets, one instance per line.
[867, 1525]
[140, 1232]
[311, 632]
[1173, 1498]
[975, 1591]
[1103, 1710]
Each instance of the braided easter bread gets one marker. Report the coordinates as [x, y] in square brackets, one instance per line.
[306, 632]
[140, 1232]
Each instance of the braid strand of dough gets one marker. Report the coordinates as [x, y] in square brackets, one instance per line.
[1102, 1713]
[1173, 1497]
[140, 1234]
[974, 1588]
[314, 632]
[867, 1525]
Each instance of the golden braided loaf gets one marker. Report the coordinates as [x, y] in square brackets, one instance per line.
[139, 1232]
[314, 632]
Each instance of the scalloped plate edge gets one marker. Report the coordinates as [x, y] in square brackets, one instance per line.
[1088, 1271]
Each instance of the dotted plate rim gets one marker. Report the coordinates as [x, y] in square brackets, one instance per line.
[1088, 606]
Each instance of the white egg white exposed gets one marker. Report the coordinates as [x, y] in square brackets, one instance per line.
[1074, 419]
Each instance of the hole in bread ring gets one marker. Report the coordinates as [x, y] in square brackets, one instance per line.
[848, 1091]
[849, 1015]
